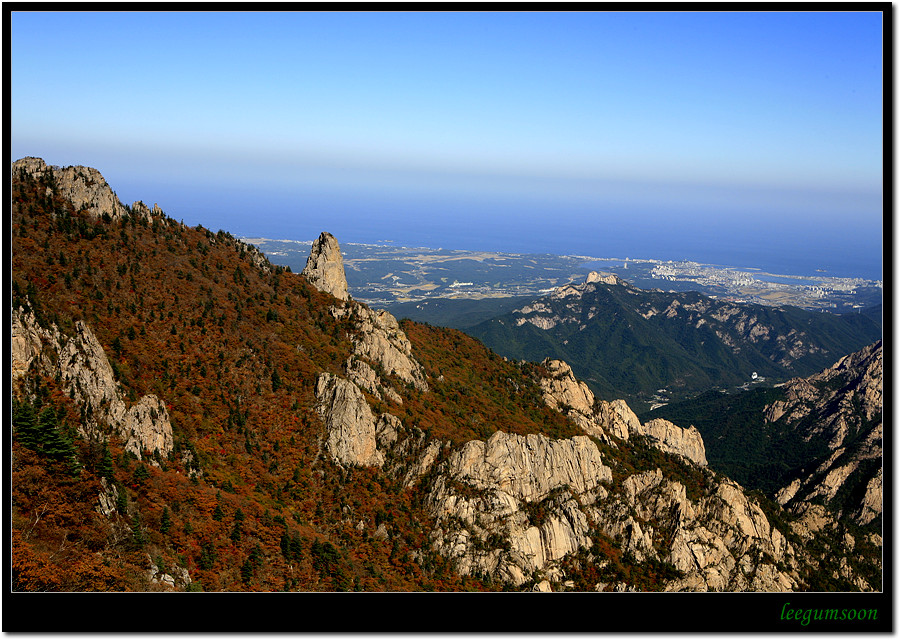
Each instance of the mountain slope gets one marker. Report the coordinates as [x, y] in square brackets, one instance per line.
[815, 439]
[842, 406]
[188, 417]
[632, 342]
[456, 313]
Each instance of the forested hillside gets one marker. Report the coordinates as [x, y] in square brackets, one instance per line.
[630, 342]
[232, 345]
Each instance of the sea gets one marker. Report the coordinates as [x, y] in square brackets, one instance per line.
[773, 242]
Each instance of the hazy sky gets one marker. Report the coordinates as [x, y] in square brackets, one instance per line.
[775, 113]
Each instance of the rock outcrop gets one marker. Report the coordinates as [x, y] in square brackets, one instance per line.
[486, 490]
[842, 406]
[514, 507]
[168, 579]
[563, 392]
[363, 375]
[379, 344]
[28, 342]
[603, 278]
[618, 418]
[832, 403]
[673, 439]
[380, 348]
[349, 422]
[381, 341]
[325, 267]
[84, 187]
[85, 373]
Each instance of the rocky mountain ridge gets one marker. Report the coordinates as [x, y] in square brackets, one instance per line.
[484, 496]
[653, 343]
[842, 406]
[303, 453]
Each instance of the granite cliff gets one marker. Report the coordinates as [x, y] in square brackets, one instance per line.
[81, 365]
[842, 406]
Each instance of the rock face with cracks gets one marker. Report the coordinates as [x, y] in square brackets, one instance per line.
[563, 392]
[349, 422]
[85, 372]
[325, 267]
[842, 405]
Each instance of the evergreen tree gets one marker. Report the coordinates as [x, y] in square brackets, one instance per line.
[137, 532]
[43, 434]
[236, 532]
[50, 440]
[246, 572]
[276, 380]
[26, 423]
[121, 499]
[165, 521]
[141, 475]
[207, 558]
[106, 463]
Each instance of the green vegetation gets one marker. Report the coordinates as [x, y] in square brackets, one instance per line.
[611, 345]
[739, 442]
[456, 313]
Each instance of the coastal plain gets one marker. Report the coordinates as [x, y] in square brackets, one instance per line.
[384, 273]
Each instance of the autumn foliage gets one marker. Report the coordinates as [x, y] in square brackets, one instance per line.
[232, 344]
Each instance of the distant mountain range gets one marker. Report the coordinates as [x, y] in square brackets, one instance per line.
[633, 343]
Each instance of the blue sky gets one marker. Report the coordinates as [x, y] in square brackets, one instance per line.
[262, 122]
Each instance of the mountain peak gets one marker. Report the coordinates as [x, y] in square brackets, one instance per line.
[603, 277]
[84, 187]
[325, 267]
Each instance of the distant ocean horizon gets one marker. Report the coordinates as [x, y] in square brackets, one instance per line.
[772, 258]
[823, 252]
[787, 244]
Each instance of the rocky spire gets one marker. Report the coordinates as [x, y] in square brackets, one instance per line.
[325, 267]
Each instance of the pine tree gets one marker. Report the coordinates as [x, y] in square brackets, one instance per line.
[165, 521]
[137, 532]
[141, 474]
[44, 434]
[236, 532]
[121, 499]
[247, 572]
[276, 380]
[26, 423]
[48, 434]
[106, 463]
